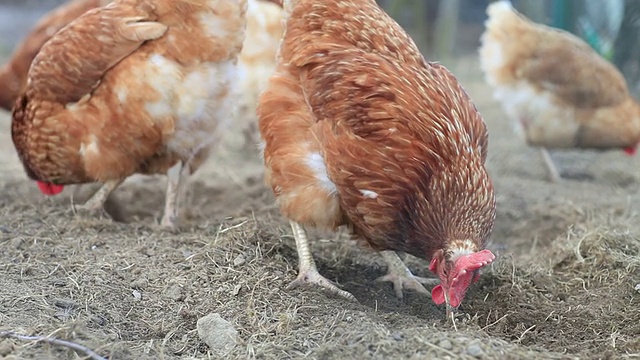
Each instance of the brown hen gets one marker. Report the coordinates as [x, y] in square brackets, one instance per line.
[359, 130]
[559, 92]
[13, 74]
[136, 86]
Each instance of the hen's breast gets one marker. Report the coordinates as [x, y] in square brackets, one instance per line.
[188, 103]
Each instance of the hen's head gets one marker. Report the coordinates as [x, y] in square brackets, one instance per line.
[457, 272]
[49, 188]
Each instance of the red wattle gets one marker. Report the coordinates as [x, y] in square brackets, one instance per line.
[49, 189]
[437, 294]
[631, 150]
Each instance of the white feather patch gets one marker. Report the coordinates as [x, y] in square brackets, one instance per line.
[369, 194]
[317, 165]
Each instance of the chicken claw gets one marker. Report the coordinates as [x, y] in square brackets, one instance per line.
[308, 272]
[95, 205]
[401, 276]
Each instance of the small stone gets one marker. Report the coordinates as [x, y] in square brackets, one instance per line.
[17, 243]
[97, 320]
[637, 288]
[219, 334]
[239, 260]
[6, 348]
[397, 336]
[65, 303]
[139, 283]
[137, 294]
[174, 292]
[475, 350]
[59, 283]
[236, 290]
[147, 251]
[445, 344]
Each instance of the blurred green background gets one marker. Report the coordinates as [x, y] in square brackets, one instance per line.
[448, 29]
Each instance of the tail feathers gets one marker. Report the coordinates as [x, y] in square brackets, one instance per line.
[502, 15]
[502, 24]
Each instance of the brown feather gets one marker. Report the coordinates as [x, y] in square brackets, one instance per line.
[353, 88]
[13, 75]
[99, 107]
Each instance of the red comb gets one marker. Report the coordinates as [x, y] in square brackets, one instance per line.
[631, 150]
[475, 261]
[49, 189]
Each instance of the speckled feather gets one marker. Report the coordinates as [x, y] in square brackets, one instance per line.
[103, 103]
[402, 143]
[13, 74]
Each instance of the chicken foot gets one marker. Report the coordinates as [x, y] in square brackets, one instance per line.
[174, 190]
[308, 272]
[554, 174]
[95, 204]
[401, 277]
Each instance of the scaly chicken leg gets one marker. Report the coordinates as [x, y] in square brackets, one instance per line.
[308, 272]
[401, 277]
[554, 174]
[174, 190]
[95, 204]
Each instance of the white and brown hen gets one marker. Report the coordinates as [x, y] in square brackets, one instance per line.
[136, 86]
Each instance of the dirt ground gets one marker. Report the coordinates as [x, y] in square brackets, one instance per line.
[561, 288]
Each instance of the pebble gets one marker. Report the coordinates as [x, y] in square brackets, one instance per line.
[637, 288]
[17, 243]
[140, 283]
[475, 350]
[219, 334]
[174, 292]
[239, 260]
[236, 290]
[59, 283]
[65, 303]
[445, 344]
[397, 336]
[97, 320]
[6, 347]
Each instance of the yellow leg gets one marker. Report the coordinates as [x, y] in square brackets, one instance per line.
[308, 272]
[554, 175]
[399, 274]
[95, 204]
[174, 190]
